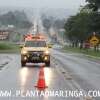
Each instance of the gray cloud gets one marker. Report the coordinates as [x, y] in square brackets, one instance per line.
[72, 4]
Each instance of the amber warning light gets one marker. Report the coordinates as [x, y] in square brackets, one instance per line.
[33, 37]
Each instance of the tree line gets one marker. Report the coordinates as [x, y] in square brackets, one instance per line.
[17, 18]
[80, 27]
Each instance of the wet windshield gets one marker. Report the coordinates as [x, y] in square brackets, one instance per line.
[35, 44]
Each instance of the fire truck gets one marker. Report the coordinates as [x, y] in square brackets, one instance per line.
[35, 50]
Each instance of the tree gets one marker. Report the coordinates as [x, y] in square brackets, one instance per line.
[93, 4]
[18, 19]
[95, 22]
[59, 23]
[82, 25]
[77, 27]
[47, 23]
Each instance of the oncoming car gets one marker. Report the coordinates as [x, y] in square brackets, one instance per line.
[35, 51]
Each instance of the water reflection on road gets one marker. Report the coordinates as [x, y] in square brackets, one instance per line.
[29, 75]
[25, 77]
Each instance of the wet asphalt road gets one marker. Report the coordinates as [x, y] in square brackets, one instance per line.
[68, 71]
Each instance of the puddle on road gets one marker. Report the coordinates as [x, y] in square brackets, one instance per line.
[3, 65]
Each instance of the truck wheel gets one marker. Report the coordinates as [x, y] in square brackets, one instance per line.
[47, 64]
[23, 64]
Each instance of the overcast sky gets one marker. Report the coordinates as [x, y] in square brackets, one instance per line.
[72, 4]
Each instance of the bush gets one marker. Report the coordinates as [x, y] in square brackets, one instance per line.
[7, 46]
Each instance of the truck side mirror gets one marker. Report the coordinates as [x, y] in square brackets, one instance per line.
[49, 46]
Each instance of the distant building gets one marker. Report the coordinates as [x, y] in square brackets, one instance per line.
[4, 35]
[9, 35]
[11, 26]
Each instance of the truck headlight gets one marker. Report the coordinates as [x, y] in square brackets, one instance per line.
[46, 52]
[24, 52]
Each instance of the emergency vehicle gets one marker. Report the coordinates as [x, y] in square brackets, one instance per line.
[35, 50]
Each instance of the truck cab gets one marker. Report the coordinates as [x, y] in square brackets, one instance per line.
[35, 50]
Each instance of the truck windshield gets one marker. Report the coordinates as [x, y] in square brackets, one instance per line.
[35, 44]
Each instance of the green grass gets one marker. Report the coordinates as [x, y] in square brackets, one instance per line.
[7, 47]
[83, 51]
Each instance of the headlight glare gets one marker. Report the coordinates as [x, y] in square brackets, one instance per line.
[24, 52]
[46, 52]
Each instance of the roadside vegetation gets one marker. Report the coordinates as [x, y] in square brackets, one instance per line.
[16, 18]
[7, 47]
[19, 24]
[80, 27]
[88, 52]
